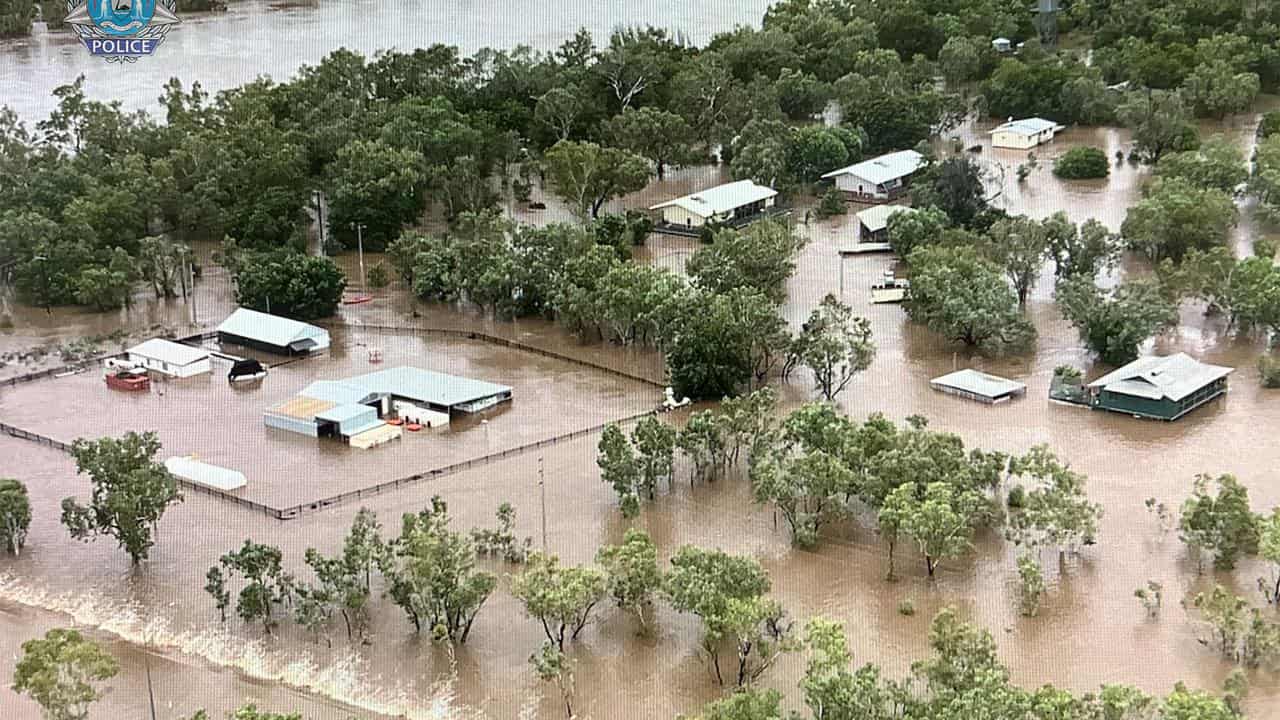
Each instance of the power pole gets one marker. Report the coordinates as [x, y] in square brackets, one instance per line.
[542, 487]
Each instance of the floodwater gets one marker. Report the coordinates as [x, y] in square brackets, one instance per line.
[260, 37]
[1090, 629]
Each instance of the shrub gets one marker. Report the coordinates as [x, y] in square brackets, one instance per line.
[832, 204]
[378, 276]
[906, 608]
[1068, 374]
[1269, 369]
[1082, 162]
[1270, 124]
[1017, 497]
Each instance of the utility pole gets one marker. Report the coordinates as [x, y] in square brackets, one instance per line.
[318, 197]
[360, 249]
[542, 487]
[44, 275]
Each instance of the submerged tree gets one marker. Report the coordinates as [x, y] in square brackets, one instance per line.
[432, 574]
[266, 584]
[15, 515]
[1220, 524]
[1114, 324]
[560, 599]
[835, 345]
[63, 672]
[552, 666]
[631, 573]
[131, 492]
[963, 297]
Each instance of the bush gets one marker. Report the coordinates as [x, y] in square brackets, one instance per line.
[832, 204]
[378, 276]
[1068, 374]
[1017, 497]
[1081, 163]
[1269, 369]
[906, 608]
[1270, 124]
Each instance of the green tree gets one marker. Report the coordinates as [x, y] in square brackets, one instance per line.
[655, 443]
[340, 585]
[1080, 250]
[1220, 524]
[960, 59]
[631, 573]
[835, 345]
[1114, 324]
[720, 589]
[15, 515]
[810, 490]
[1216, 89]
[559, 109]
[266, 584]
[560, 599]
[748, 704]
[431, 574]
[586, 175]
[1269, 550]
[618, 467]
[1160, 122]
[1056, 510]
[290, 284]
[1018, 245]
[961, 296]
[955, 186]
[910, 230]
[1176, 217]
[1217, 164]
[130, 492]
[941, 521]
[62, 672]
[552, 666]
[761, 258]
[375, 185]
[1030, 584]
[831, 690]
[715, 350]
[662, 137]
[1082, 163]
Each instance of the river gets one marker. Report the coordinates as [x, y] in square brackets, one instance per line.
[1090, 629]
[258, 37]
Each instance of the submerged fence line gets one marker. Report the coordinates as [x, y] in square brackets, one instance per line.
[295, 511]
[493, 340]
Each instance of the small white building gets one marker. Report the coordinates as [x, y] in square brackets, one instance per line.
[724, 203]
[1024, 134]
[169, 358]
[1002, 45]
[879, 179]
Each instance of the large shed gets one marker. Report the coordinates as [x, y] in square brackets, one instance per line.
[350, 407]
[1024, 134]
[272, 333]
[170, 358]
[735, 201]
[1159, 387]
[879, 179]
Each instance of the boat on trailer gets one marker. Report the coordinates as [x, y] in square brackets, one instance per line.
[246, 371]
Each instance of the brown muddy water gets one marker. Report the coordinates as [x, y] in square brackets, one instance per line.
[1090, 629]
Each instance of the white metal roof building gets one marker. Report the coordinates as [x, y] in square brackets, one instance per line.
[979, 386]
[1025, 133]
[170, 358]
[1164, 387]
[722, 203]
[202, 473]
[272, 333]
[880, 178]
[872, 222]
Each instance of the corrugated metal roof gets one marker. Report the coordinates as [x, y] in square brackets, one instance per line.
[979, 383]
[880, 170]
[427, 386]
[721, 199]
[345, 413]
[338, 392]
[271, 329]
[1159, 377]
[876, 218]
[170, 352]
[1028, 126]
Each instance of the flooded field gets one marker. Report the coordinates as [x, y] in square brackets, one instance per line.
[222, 424]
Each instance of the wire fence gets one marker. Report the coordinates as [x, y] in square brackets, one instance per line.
[495, 340]
[295, 511]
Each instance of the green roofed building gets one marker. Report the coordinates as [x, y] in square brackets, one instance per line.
[1164, 387]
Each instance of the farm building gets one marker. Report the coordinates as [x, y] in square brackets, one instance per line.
[873, 223]
[979, 386]
[272, 333]
[736, 202]
[1160, 387]
[169, 358]
[1024, 134]
[347, 408]
[879, 179]
[1002, 45]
